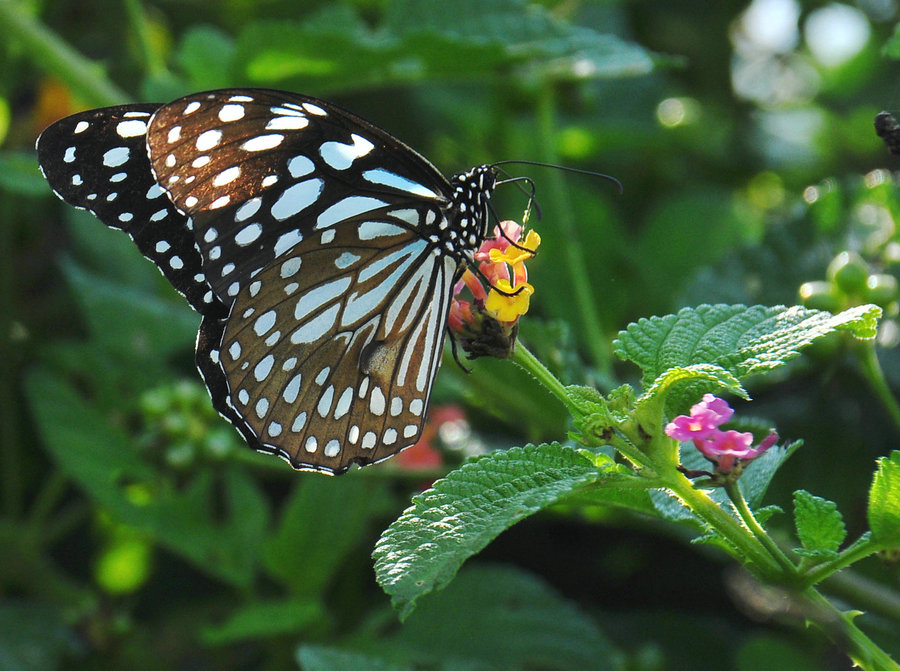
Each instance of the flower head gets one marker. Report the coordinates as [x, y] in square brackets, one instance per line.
[728, 450]
[487, 325]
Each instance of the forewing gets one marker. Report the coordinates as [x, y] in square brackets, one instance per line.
[329, 354]
[260, 170]
[97, 161]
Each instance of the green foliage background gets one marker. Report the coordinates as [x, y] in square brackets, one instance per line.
[137, 533]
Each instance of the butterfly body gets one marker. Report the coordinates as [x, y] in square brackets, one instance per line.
[320, 250]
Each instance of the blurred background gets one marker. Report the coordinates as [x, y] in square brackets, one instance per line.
[137, 532]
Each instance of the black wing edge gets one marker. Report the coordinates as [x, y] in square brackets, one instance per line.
[209, 340]
[97, 161]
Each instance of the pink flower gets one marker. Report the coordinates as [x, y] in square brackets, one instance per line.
[706, 416]
[728, 450]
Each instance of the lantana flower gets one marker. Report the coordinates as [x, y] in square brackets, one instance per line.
[487, 325]
[728, 450]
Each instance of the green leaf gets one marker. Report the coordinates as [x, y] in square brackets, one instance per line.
[500, 617]
[154, 328]
[320, 658]
[884, 501]
[262, 619]
[820, 526]
[742, 340]
[756, 477]
[323, 520]
[419, 40]
[218, 529]
[206, 54]
[20, 175]
[758, 474]
[423, 549]
[680, 386]
[34, 637]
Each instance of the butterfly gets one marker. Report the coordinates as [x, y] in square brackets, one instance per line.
[320, 250]
[887, 128]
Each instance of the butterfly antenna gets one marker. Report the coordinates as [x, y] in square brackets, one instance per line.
[566, 168]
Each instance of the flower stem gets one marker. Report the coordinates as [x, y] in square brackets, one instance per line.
[750, 521]
[871, 368]
[747, 547]
[574, 263]
[846, 557]
[841, 629]
[523, 357]
[49, 51]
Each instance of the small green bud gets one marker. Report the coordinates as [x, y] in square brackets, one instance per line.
[849, 271]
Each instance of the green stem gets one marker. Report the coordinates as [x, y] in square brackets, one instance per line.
[750, 521]
[747, 546]
[153, 63]
[841, 629]
[48, 50]
[574, 261]
[527, 361]
[875, 376]
[848, 556]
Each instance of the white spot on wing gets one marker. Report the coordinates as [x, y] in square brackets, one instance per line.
[340, 156]
[227, 175]
[387, 178]
[321, 295]
[131, 128]
[262, 142]
[345, 208]
[208, 139]
[248, 209]
[248, 234]
[300, 166]
[287, 123]
[231, 113]
[116, 156]
[316, 328]
[296, 198]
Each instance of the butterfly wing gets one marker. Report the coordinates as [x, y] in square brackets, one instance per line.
[329, 355]
[97, 161]
[318, 247]
[320, 231]
[258, 170]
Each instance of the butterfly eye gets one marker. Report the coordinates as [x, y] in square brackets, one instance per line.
[320, 251]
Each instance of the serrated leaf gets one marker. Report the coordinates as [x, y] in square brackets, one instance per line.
[463, 512]
[820, 526]
[758, 474]
[500, 617]
[742, 340]
[320, 658]
[685, 379]
[261, 619]
[884, 501]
